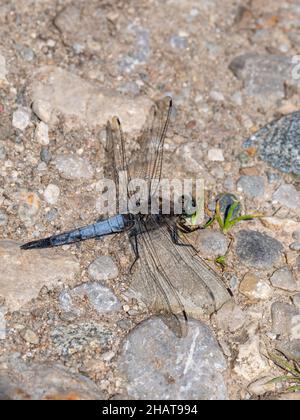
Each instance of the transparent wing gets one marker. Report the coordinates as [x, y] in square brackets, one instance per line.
[116, 161]
[147, 163]
[172, 280]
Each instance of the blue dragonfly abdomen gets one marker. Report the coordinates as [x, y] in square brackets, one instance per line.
[115, 224]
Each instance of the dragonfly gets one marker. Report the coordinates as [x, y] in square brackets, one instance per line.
[162, 259]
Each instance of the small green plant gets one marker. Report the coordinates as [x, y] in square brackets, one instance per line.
[229, 218]
[292, 368]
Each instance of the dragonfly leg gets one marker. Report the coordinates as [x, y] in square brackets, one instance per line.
[176, 239]
[135, 246]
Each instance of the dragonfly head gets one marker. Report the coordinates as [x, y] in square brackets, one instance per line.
[188, 205]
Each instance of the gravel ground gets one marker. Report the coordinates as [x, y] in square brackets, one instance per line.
[232, 70]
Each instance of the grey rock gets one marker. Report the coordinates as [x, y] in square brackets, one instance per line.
[291, 349]
[3, 312]
[283, 318]
[190, 156]
[78, 48]
[294, 37]
[66, 302]
[179, 42]
[3, 218]
[78, 337]
[264, 76]
[243, 159]
[296, 235]
[255, 288]
[252, 186]
[217, 97]
[51, 194]
[262, 386]
[24, 273]
[211, 243]
[157, 365]
[296, 300]
[287, 195]
[3, 70]
[250, 362]
[102, 269]
[73, 167]
[215, 155]
[55, 92]
[101, 298]
[28, 207]
[2, 152]
[257, 249]
[230, 317]
[21, 118]
[45, 155]
[26, 53]
[278, 143]
[43, 381]
[51, 215]
[284, 279]
[42, 133]
[272, 177]
[30, 336]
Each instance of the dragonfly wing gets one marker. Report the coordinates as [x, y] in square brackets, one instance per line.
[172, 279]
[116, 161]
[147, 163]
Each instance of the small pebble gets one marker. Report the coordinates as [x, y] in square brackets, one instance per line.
[3, 218]
[73, 167]
[102, 269]
[3, 70]
[215, 155]
[21, 118]
[230, 317]
[26, 53]
[78, 48]
[295, 246]
[2, 152]
[296, 300]
[42, 134]
[30, 336]
[52, 193]
[51, 43]
[179, 42]
[252, 186]
[217, 96]
[288, 196]
[284, 279]
[243, 158]
[101, 298]
[296, 235]
[211, 243]
[43, 109]
[254, 288]
[283, 317]
[29, 207]
[51, 215]
[272, 177]
[237, 98]
[258, 250]
[45, 155]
